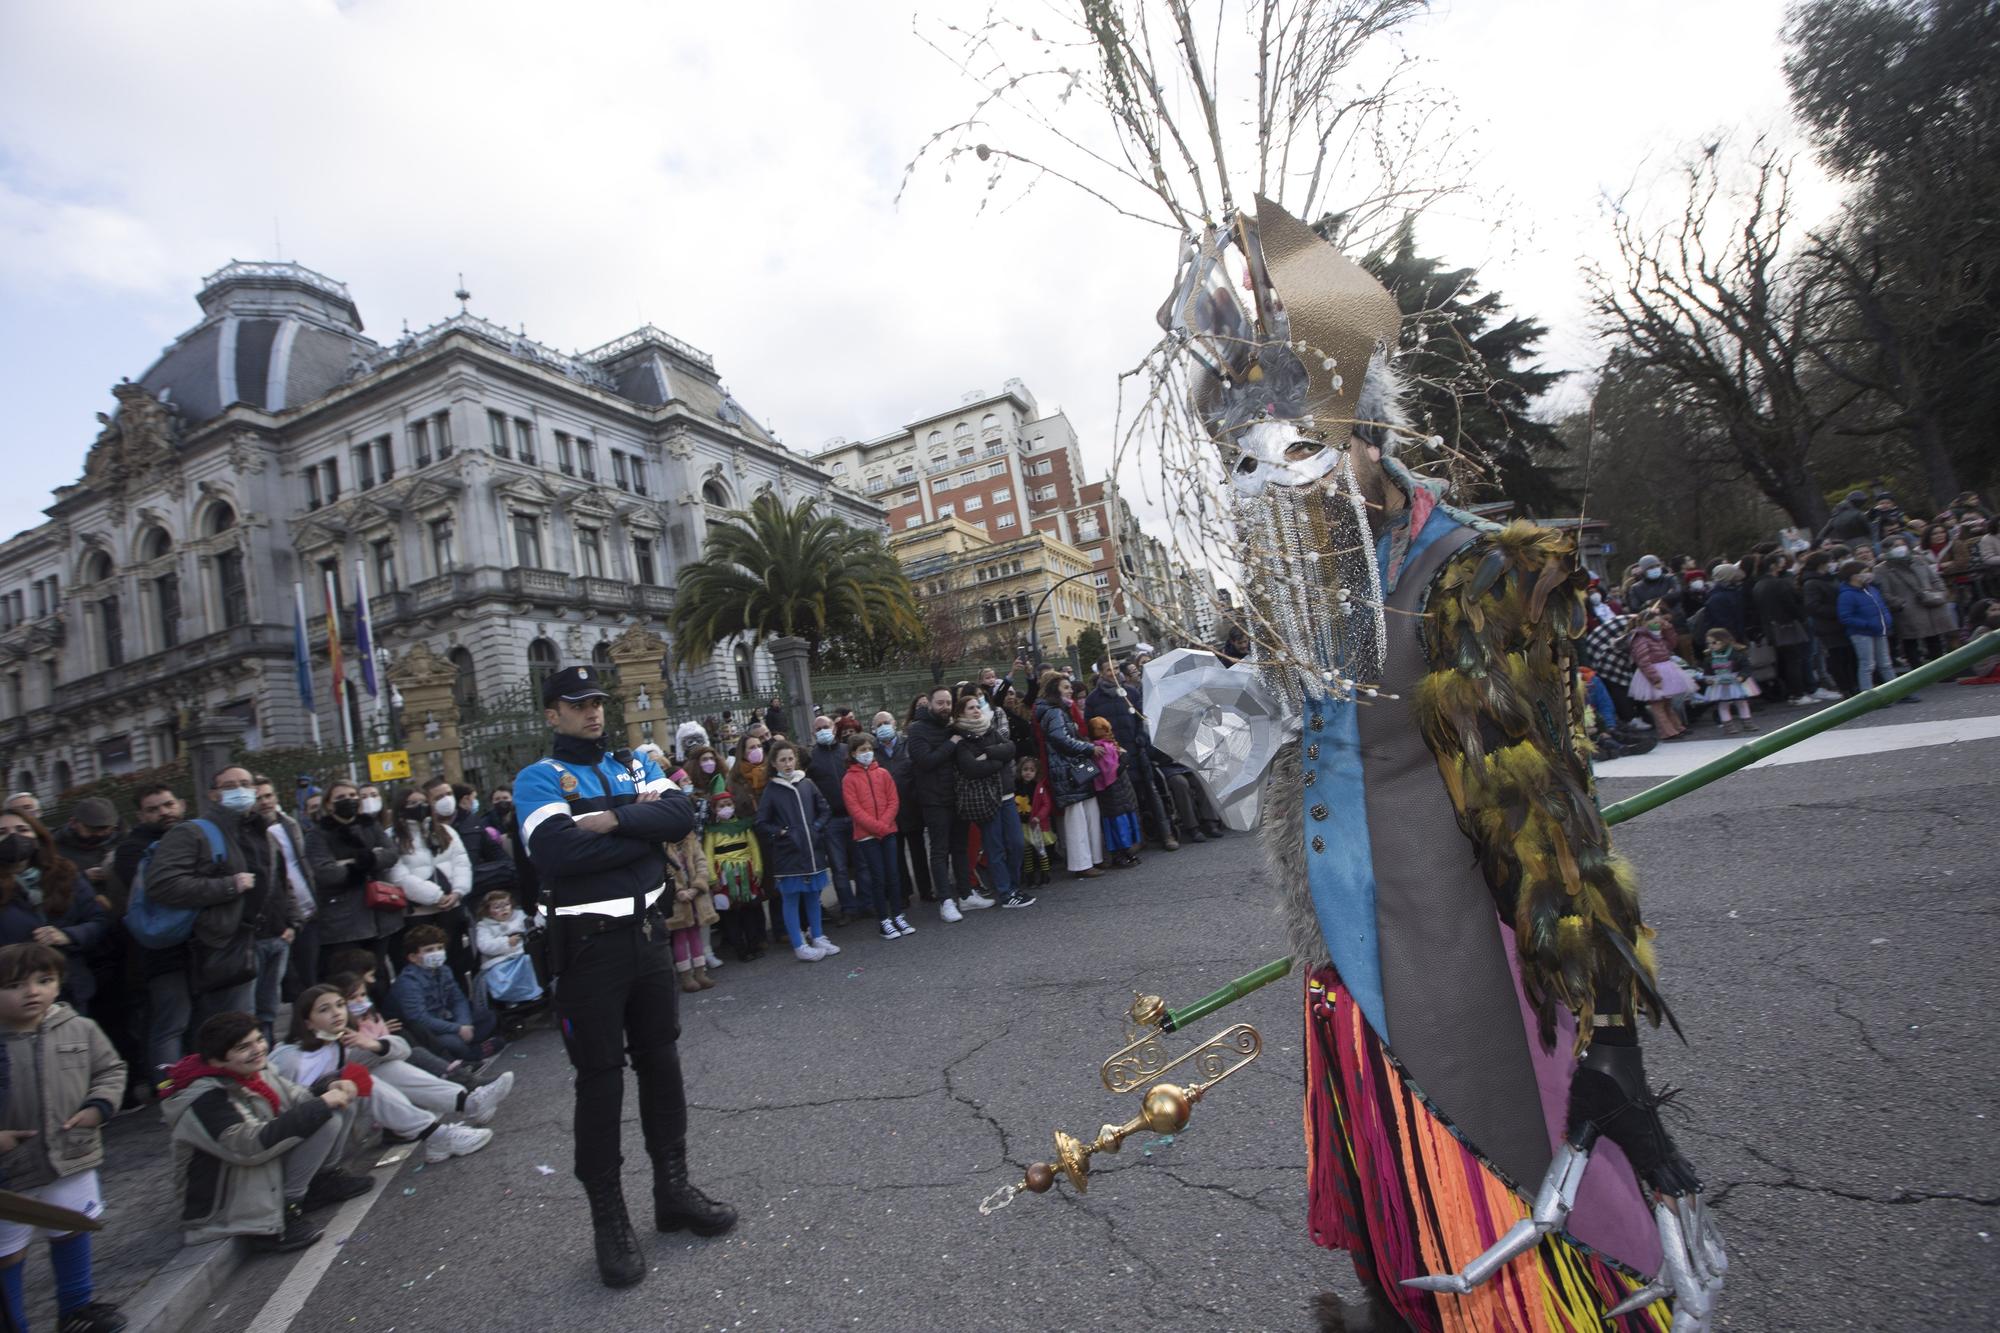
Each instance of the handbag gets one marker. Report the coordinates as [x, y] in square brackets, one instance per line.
[1931, 597]
[1763, 661]
[382, 896]
[228, 965]
[977, 798]
[1789, 634]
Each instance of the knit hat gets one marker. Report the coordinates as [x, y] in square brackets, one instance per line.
[95, 812]
[1727, 574]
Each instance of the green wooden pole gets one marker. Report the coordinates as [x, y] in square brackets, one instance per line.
[1985, 646]
[1177, 1019]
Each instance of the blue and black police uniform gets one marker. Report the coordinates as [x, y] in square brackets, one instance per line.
[615, 987]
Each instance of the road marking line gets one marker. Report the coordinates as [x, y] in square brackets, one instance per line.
[291, 1296]
[1668, 761]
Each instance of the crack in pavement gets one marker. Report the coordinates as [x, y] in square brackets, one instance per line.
[819, 1102]
[1839, 1007]
[978, 1110]
[1901, 1198]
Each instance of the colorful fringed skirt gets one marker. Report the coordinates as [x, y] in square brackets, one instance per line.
[1390, 1184]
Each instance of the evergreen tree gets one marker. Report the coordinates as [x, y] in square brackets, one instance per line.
[1472, 377]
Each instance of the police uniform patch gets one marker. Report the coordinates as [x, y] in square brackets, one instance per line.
[568, 784]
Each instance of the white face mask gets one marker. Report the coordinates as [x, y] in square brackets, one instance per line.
[1596, 598]
[1899, 553]
[371, 805]
[1655, 572]
[431, 958]
[356, 1008]
[1697, 584]
[445, 807]
[725, 812]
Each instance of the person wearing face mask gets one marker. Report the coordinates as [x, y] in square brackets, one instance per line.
[432, 867]
[43, 900]
[373, 806]
[934, 778]
[1865, 615]
[892, 752]
[1910, 583]
[1113, 700]
[735, 873]
[1600, 610]
[826, 765]
[492, 866]
[228, 888]
[347, 851]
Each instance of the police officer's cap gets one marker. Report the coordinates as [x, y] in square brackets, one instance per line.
[574, 685]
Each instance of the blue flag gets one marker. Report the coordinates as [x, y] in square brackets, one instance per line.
[302, 656]
[364, 632]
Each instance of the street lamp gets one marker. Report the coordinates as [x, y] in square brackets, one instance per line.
[1035, 620]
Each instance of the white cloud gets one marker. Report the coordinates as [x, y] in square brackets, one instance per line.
[726, 172]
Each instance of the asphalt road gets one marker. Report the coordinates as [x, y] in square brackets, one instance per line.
[1827, 938]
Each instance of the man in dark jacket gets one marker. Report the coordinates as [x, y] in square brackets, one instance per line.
[826, 765]
[779, 722]
[934, 776]
[1819, 588]
[1112, 701]
[1849, 522]
[87, 840]
[219, 972]
[287, 907]
[893, 753]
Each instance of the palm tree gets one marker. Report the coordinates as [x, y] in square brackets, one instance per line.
[769, 571]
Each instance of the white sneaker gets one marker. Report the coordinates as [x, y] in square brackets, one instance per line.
[455, 1141]
[1826, 696]
[948, 911]
[710, 961]
[976, 900]
[825, 945]
[805, 953]
[889, 931]
[482, 1102]
[903, 924]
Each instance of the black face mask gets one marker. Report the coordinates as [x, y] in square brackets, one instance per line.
[416, 811]
[346, 808]
[16, 848]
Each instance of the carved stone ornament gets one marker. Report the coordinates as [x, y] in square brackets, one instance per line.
[420, 666]
[638, 644]
[680, 443]
[140, 438]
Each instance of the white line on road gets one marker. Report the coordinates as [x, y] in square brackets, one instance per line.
[291, 1296]
[1668, 761]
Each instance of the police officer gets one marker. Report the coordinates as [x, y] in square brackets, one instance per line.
[594, 824]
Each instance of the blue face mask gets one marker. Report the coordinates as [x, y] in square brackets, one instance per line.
[824, 735]
[865, 757]
[885, 733]
[238, 799]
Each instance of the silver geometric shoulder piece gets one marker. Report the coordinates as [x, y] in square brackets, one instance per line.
[1224, 723]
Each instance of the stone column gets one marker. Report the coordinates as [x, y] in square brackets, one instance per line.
[795, 678]
[636, 654]
[211, 743]
[430, 713]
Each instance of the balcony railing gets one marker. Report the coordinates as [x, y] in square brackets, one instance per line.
[651, 598]
[540, 584]
[603, 592]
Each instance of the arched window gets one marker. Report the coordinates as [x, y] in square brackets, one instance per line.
[715, 493]
[221, 518]
[542, 663]
[156, 544]
[464, 689]
[63, 781]
[936, 438]
[989, 424]
[24, 780]
[97, 565]
[744, 684]
[600, 657]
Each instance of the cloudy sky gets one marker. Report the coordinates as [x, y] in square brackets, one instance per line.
[727, 172]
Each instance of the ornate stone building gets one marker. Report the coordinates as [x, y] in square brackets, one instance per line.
[509, 507]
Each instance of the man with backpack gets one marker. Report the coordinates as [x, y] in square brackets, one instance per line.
[196, 897]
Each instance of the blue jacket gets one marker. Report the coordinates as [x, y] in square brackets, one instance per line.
[1729, 609]
[430, 998]
[1864, 611]
[610, 874]
[792, 816]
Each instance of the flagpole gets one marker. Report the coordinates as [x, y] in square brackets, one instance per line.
[303, 657]
[364, 642]
[333, 655]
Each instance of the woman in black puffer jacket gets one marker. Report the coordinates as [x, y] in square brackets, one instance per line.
[346, 849]
[1070, 785]
[934, 776]
[985, 797]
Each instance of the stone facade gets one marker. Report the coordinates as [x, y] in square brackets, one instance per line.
[507, 506]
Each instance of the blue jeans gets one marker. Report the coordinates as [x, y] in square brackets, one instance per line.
[839, 839]
[792, 888]
[875, 869]
[1872, 659]
[272, 956]
[1000, 836]
[457, 1047]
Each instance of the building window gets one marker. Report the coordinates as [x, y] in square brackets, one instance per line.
[989, 425]
[113, 625]
[167, 605]
[998, 469]
[586, 457]
[465, 685]
[541, 663]
[234, 589]
[385, 458]
[1101, 579]
[1045, 494]
[936, 439]
[966, 478]
[913, 521]
[590, 552]
[444, 555]
[565, 458]
[946, 511]
[527, 541]
[638, 464]
[441, 431]
[1004, 521]
[906, 473]
[1003, 495]
[744, 684]
[620, 478]
[364, 467]
[524, 439]
[1045, 466]
[643, 570]
[1087, 530]
[496, 433]
[973, 504]
[420, 444]
[384, 551]
[314, 499]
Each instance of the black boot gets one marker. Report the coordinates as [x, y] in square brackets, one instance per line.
[679, 1206]
[298, 1233]
[619, 1261]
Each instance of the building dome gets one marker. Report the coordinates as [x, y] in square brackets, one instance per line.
[274, 335]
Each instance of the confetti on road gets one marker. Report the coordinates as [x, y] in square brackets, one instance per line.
[545, 1170]
[408, 1192]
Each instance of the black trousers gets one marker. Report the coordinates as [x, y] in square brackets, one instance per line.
[951, 865]
[617, 995]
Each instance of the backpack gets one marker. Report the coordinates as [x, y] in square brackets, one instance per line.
[156, 926]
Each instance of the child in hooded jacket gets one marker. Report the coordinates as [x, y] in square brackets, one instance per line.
[793, 816]
[694, 911]
[1117, 802]
[873, 804]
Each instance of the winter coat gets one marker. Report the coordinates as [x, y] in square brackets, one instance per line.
[984, 779]
[933, 768]
[183, 873]
[1642, 592]
[1064, 748]
[430, 997]
[493, 940]
[1820, 595]
[71, 849]
[826, 765]
[344, 857]
[1848, 525]
[83, 921]
[284, 905]
[1778, 602]
[894, 756]
[1115, 706]
[1649, 649]
[415, 869]
[1903, 584]
[1608, 650]
[229, 1148]
[872, 800]
[63, 1066]
[1115, 795]
[1865, 611]
[1729, 609]
[792, 817]
[687, 868]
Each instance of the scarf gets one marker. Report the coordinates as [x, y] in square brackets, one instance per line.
[193, 1067]
[973, 726]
